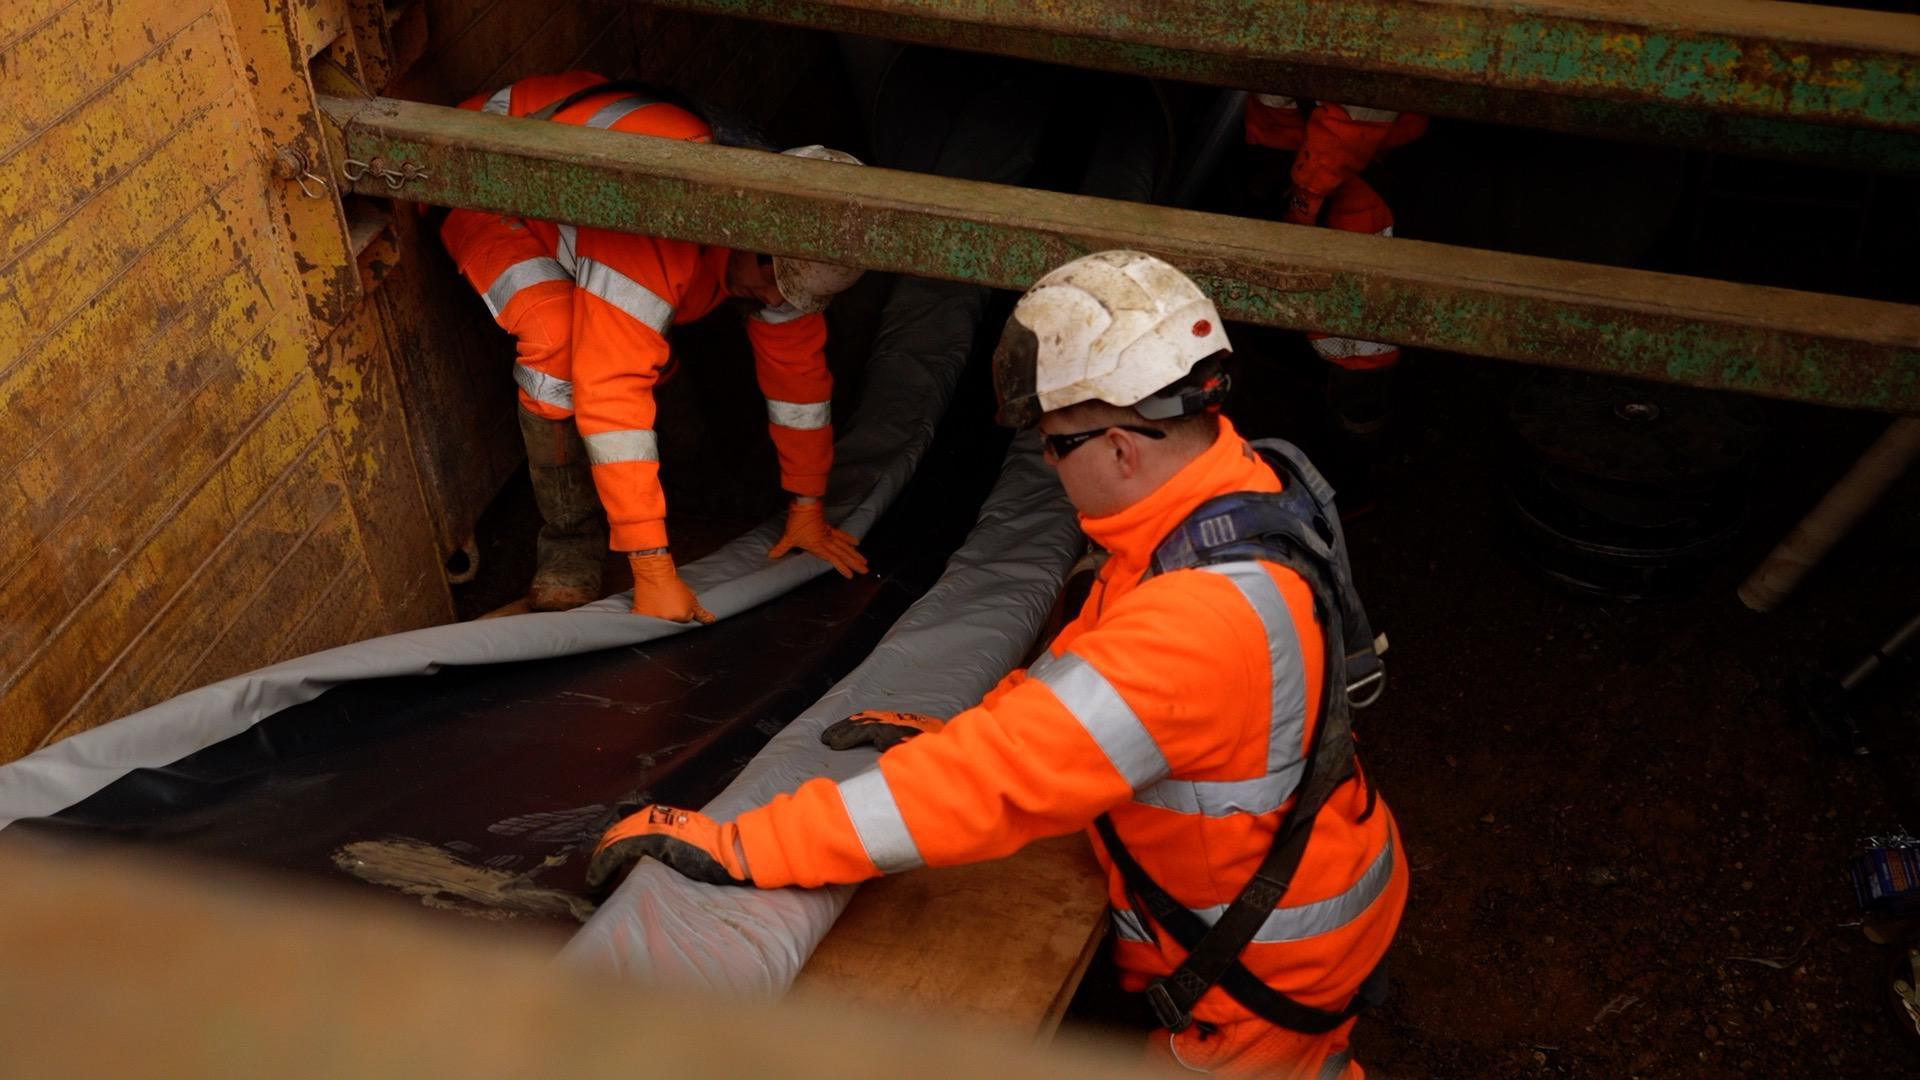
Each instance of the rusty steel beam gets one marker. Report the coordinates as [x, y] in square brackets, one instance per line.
[1748, 77]
[1753, 339]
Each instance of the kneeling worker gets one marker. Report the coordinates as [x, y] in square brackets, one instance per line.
[1195, 713]
[589, 310]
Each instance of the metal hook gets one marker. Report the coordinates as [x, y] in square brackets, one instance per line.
[353, 170]
[309, 192]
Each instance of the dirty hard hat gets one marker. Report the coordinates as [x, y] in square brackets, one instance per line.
[806, 284]
[1121, 327]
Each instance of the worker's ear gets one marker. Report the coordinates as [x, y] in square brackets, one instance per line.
[1125, 452]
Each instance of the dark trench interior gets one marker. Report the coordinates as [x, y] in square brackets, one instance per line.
[1629, 847]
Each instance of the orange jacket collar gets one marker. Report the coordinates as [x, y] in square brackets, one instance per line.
[1229, 465]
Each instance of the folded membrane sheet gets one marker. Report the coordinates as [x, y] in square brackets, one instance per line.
[976, 624]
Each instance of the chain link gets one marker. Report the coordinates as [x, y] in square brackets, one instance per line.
[394, 178]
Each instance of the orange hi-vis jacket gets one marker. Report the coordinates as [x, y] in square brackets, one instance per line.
[1333, 144]
[1182, 705]
[589, 310]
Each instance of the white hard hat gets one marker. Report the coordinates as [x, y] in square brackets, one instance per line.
[808, 285]
[1121, 327]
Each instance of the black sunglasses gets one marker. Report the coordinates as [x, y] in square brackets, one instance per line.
[1059, 446]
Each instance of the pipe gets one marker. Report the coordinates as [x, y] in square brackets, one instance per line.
[1824, 526]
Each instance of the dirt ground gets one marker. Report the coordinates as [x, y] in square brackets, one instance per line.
[1628, 856]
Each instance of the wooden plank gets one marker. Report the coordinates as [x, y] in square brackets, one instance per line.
[79, 50]
[363, 402]
[233, 573]
[1001, 944]
[68, 412]
[467, 64]
[42, 682]
[45, 179]
[69, 268]
[558, 41]
[307, 579]
[1631, 323]
[206, 972]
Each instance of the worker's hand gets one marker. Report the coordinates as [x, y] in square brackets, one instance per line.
[1303, 207]
[691, 843]
[807, 529]
[659, 592]
[879, 729]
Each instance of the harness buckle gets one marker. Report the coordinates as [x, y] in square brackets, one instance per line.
[1164, 1010]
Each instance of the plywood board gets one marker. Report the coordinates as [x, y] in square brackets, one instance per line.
[1001, 944]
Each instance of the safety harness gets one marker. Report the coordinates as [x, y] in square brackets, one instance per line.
[1297, 528]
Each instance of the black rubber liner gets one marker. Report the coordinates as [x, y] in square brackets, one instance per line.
[508, 767]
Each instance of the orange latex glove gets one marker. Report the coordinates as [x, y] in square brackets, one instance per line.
[659, 592]
[879, 728]
[807, 529]
[692, 843]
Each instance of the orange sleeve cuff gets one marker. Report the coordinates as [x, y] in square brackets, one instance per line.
[637, 536]
[804, 839]
[806, 457]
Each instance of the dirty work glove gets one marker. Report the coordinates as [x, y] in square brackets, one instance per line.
[659, 592]
[1303, 207]
[807, 529]
[692, 843]
[879, 729]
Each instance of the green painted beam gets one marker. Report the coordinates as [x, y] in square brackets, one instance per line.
[1774, 342]
[1744, 76]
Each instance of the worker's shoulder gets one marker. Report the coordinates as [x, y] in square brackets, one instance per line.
[1234, 591]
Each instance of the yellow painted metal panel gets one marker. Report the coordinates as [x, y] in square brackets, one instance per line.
[345, 612]
[18, 18]
[87, 638]
[52, 280]
[236, 572]
[75, 53]
[63, 412]
[282, 606]
[43, 180]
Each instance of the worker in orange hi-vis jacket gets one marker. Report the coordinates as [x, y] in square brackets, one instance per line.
[1332, 145]
[1196, 713]
[589, 310]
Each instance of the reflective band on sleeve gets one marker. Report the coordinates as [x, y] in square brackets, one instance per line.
[785, 313]
[1287, 734]
[626, 294]
[1370, 116]
[612, 447]
[501, 103]
[1218, 798]
[617, 110]
[1330, 347]
[1128, 926]
[801, 416]
[1105, 715]
[568, 244]
[876, 818]
[1277, 101]
[518, 276]
[543, 387]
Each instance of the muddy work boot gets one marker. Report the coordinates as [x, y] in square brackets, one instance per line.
[573, 532]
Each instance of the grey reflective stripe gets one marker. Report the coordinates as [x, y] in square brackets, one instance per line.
[568, 244]
[1330, 347]
[876, 818]
[518, 276]
[1218, 798]
[501, 103]
[1105, 715]
[1287, 728]
[785, 313]
[543, 387]
[803, 416]
[1303, 921]
[1277, 101]
[625, 293]
[617, 110]
[1336, 1064]
[633, 444]
[1370, 116]
[1129, 927]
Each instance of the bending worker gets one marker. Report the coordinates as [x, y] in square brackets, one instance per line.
[589, 311]
[1195, 713]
